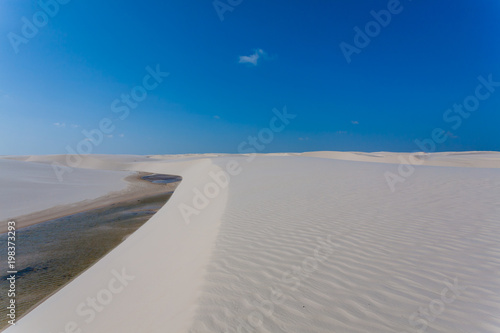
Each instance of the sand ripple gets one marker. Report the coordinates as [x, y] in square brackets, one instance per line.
[382, 255]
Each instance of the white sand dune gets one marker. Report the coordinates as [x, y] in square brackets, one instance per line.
[474, 159]
[315, 242]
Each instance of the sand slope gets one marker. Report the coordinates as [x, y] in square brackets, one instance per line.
[380, 256]
[303, 244]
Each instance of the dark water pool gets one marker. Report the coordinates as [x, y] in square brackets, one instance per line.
[52, 253]
[162, 179]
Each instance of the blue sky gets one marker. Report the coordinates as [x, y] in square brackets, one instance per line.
[226, 76]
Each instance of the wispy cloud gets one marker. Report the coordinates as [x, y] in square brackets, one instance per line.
[354, 122]
[253, 58]
[216, 117]
[59, 124]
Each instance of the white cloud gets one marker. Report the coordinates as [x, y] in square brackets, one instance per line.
[253, 58]
[354, 122]
[59, 124]
[121, 135]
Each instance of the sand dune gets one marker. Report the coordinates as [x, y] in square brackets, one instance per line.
[381, 256]
[472, 159]
[315, 242]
